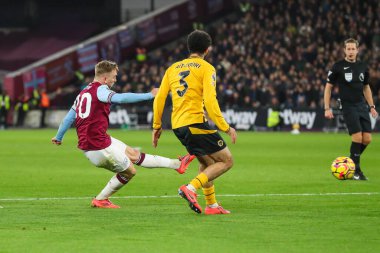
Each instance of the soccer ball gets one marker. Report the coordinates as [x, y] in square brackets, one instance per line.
[343, 168]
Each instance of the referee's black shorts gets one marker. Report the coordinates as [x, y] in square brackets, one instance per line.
[357, 118]
[199, 139]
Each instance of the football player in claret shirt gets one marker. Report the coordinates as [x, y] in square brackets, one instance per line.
[352, 78]
[90, 113]
[192, 83]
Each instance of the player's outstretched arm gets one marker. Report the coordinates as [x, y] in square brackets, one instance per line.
[124, 98]
[63, 127]
[107, 96]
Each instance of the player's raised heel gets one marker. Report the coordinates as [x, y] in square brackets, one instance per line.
[104, 203]
[190, 197]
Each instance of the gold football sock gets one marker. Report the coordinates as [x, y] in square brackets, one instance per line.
[209, 195]
[199, 181]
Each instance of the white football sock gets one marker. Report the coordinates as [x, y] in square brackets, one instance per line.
[112, 186]
[215, 205]
[155, 161]
[191, 188]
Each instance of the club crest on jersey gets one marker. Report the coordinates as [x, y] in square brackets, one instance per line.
[348, 77]
[361, 77]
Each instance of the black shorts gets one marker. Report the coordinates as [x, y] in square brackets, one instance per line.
[357, 118]
[199, 139]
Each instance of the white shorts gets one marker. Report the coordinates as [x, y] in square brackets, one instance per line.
[112, 158]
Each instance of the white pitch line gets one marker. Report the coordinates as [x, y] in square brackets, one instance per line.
[301, 194]
[219, 195]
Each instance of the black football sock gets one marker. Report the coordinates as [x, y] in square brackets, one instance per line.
[362, 148]
[355, 154]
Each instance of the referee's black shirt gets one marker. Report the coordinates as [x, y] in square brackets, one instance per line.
[350, 78]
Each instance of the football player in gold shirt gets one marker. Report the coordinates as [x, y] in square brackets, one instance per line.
[192, 84]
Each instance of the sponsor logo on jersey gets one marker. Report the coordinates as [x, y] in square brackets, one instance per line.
[328, 75]
[213, 81]
[361, 77]
[348, 77]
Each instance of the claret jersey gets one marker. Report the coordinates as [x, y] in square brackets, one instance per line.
[91, 119]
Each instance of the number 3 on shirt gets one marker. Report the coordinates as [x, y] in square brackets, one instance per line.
[79, 105]
[182, 81]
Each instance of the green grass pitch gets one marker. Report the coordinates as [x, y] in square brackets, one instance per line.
[281, 193]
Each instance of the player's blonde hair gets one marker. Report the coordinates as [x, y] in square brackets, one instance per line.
[351, 40]
[104, 67]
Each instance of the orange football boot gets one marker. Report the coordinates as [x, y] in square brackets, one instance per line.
[216, 210]
[104, 203]
[185, 161]
[190, 197]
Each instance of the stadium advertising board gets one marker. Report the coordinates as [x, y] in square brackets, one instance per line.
[192, 10]
[311, 120]
[110, 48]
[167, 25]
[126, 37]
[308, 120]
[14, 86]
[146, 32]
[87, 57]
[127, 42]
[214, 6]
[34, 79]
[60, 71]
[254, 120]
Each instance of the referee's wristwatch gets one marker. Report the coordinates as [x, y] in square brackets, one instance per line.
[372, 106]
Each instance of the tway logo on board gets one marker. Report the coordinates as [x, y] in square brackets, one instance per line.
[291, 117]
[241, 120]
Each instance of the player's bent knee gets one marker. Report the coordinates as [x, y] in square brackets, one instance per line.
[129, 173]
[367, 139]
[357, 137]
[133, 154]
[229, 162]
[366, 142]
[133, 171]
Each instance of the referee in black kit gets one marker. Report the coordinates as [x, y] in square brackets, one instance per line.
[352, 78]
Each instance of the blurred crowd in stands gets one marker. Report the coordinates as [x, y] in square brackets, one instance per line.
[274, 54]
[266, 54]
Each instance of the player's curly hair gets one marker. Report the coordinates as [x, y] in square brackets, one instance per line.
[351, 40]
[198, 41]
[104, 67]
